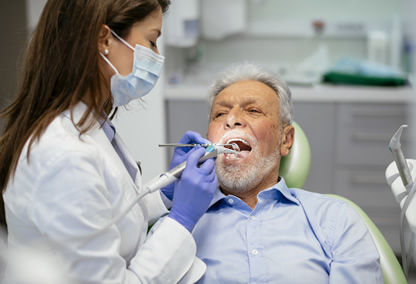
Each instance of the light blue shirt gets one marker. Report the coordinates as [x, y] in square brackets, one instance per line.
[292, 236]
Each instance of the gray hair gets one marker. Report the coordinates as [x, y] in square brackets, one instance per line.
[251, 71]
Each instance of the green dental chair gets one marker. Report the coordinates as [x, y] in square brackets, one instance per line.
[295, 169]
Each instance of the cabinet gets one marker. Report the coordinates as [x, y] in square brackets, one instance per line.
[349, 144]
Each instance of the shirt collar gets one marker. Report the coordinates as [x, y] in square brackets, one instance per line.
[109, 129]
[279, 187]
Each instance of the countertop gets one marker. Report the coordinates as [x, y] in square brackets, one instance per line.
[317, 93]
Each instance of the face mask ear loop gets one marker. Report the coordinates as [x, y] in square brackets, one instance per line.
[109, 63]
[122, 40]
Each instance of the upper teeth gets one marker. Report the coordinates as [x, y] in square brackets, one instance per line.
[238, 140]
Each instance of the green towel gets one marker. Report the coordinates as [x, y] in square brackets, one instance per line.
[358, 79]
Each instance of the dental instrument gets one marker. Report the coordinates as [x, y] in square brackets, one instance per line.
[163, 180]
[396, 150]
[404, 172]
[183, 145]
[233, 145]
[172, 175]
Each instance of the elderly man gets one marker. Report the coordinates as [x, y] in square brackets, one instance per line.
[257, 230]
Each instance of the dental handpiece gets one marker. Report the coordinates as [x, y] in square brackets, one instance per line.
[175, 173]
[170, 176]
[396, 150]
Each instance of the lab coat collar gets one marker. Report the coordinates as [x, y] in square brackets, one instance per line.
[98, 134]
[76, 114]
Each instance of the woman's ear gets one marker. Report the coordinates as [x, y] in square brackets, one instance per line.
[104, 39]
[288, 135]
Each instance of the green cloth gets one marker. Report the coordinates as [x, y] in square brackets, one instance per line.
[336, 77]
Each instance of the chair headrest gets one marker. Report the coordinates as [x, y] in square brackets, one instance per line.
[295, 166]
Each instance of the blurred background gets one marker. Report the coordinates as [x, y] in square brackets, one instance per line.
[350, 66]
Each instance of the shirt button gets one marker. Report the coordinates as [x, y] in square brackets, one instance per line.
[254, 252]
[230, 201]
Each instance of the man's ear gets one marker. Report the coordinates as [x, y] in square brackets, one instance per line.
[104, 39]
[288, 136]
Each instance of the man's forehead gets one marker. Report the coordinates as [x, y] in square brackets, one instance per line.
[247, 91]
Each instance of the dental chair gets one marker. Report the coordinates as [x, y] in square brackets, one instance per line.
[295, 169]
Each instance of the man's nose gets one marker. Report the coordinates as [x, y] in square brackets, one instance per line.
[235, 119]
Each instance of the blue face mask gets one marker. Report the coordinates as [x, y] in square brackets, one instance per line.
[147, 66]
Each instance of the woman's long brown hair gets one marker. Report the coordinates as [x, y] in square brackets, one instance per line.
[61, 68]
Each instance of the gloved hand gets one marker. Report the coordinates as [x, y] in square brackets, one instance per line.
[194, 190]
[180, 155]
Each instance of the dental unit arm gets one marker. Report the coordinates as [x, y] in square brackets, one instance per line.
[399, 177]
[400, 172]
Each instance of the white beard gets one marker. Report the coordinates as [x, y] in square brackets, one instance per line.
[242, 178]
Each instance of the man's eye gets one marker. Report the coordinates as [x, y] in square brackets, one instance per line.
[219, 114]
[253, 110]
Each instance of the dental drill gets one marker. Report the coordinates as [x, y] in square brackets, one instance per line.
[164, 179]
[172, 175]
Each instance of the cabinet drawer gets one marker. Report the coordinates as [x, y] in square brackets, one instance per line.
[364, 132]
[366, 186]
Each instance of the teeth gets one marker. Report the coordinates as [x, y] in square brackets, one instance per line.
[239, 140]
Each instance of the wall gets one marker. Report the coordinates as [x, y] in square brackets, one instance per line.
[330, 9]
[279, 34]
[142, 128]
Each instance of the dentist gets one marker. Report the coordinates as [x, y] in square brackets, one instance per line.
[64, 171]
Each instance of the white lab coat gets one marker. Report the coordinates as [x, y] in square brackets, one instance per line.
[70, 188]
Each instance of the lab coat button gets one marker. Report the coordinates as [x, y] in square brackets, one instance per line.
[254, 252]
[230, 201]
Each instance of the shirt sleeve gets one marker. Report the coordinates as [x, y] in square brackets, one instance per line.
[355, 258]
[71, 206]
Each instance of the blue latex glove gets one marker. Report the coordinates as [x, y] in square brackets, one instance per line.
[181, 154]
[194, 190]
